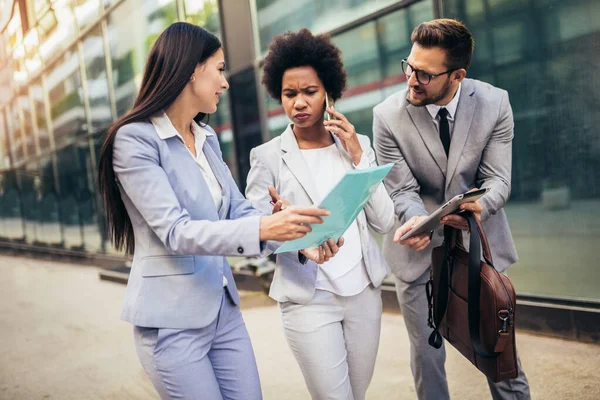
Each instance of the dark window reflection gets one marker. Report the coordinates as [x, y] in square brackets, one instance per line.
[77, 197]
[553, 79]
[246, 120]
[50, 227]
[11, 207]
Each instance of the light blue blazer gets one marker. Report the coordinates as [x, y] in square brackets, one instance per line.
[181, 239]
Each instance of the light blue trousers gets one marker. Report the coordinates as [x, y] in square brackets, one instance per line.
[213, 363]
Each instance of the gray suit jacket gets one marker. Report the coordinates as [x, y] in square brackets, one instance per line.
[423, 177]
[280, 163]
[176, 278]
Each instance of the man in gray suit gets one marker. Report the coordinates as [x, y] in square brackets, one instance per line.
[446, 135]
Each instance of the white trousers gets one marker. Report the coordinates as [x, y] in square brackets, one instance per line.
[335, 341]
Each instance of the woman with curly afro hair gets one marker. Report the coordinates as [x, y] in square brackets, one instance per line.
[330, 306]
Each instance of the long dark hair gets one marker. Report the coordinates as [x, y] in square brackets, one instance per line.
[170, 64]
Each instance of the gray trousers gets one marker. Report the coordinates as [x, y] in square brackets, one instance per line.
[427, 363]
[335, 341]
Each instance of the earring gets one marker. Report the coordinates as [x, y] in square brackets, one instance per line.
[193, 78]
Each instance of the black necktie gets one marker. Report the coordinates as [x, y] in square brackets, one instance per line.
[444, 129]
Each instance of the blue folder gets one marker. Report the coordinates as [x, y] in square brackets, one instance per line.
[344, 202]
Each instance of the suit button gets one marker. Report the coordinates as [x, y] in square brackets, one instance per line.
[440, 233]
[240, 250]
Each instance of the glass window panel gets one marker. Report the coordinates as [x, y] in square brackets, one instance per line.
[97, 84]
[129, 43]
[14, 134]
[508, 45]
[71, 181]
[203, 13]
[37, 96]
[587, 15]
[29, 135]
[361, 62]
[76, 203]
[221, 123]
[556, 150]
[29, 179]
[86, 12]
[66, 99]
[394, 34]
[4, 149]
[505, 5]
[245, 118]
[11, 207]
[59, 29]
[86, 197]
[278, 16]
[50, 232]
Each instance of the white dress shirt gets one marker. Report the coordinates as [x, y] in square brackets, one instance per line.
[166, 130]
[451, 107]
[346, 273]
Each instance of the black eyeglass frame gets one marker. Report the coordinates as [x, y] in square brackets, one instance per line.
[417, 71]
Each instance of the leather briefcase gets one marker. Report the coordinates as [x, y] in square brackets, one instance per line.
[471, 304]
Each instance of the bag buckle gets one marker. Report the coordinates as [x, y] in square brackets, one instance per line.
[504, 316]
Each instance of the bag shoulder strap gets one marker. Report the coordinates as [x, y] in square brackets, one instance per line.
[474, 284]
[477, 239]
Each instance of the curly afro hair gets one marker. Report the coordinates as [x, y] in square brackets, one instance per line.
[299, 49]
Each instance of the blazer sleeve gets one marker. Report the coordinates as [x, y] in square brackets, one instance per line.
[380, 209]
[400, 182]
[136, 163]
[494, 170]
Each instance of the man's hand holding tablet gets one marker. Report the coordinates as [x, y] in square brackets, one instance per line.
[416, 232]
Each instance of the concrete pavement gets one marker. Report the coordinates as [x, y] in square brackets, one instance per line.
[61, 338]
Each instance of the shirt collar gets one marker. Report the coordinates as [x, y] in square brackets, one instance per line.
[451, 107]
[165, 129]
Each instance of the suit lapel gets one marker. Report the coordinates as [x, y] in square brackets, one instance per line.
[295, 162]
[462, 124]
[422, 120]
[218, 170]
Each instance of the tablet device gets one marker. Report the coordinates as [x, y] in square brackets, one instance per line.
[451, 207]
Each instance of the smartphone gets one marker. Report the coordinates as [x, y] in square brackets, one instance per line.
[329, 103]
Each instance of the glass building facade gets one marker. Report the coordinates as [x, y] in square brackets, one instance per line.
[68, 68]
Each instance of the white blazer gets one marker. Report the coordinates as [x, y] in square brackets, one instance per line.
[280, 163]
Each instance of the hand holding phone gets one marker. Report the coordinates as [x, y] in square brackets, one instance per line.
[329, 103]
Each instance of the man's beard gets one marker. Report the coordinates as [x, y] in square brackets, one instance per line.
[430, 100]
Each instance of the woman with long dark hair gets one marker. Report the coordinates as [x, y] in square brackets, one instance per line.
[171, 201]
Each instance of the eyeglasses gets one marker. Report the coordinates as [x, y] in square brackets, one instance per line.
[422, 77]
